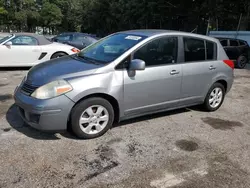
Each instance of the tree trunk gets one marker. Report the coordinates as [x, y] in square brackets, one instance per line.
[245, 19]
[208, 25]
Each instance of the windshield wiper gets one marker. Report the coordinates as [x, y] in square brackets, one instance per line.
[89, 60]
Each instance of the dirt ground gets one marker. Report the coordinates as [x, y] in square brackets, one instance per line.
[184, 148]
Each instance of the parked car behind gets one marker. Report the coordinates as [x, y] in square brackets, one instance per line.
[125, 75]
[28, 49]
[78, 40]
[237, 50]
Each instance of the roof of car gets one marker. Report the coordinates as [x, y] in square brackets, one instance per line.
[42, 40]
[71, 33]
[76, 33]
[153, 32]
[224, 38]
[146, 32]
[227, 38]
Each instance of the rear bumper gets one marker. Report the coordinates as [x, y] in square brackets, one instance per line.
[46, 115]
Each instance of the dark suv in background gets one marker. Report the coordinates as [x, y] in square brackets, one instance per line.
[78, 40]
[237, 50]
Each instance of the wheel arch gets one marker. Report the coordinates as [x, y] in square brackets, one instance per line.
[113, 101]
[224, 83]
[58, 52]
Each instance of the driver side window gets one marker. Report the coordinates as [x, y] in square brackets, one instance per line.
[160, 51]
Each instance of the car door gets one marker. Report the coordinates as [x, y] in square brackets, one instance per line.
[82, 41]
[6, 58]
[24, 50]
[199, 67]
[158, 86]
[64, 38]
[78, 41]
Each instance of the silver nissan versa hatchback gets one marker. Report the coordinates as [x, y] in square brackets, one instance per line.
[125, 75]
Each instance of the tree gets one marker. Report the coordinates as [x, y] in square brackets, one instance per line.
[3, 14]
[51, 15]
[107, 16]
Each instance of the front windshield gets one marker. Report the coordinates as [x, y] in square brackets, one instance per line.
[108, 49]
[5, 38]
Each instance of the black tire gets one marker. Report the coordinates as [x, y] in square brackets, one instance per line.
[241, 62]
[58, 55]
[206, 103]
[81, 107]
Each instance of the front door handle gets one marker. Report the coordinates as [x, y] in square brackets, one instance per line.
[212, 67]
[174, 72]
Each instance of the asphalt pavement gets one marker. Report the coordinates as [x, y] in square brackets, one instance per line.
[185, 148]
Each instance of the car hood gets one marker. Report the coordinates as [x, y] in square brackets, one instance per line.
[60, 68]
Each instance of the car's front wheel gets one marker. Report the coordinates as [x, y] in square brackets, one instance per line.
[92, 118]
[58, 54]
[215, 97]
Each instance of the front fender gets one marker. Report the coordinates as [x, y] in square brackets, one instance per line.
[105, 83]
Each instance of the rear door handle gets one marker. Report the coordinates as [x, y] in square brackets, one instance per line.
[212, 67]
[174, 72]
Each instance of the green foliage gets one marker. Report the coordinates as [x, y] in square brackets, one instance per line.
[51, 14]
[3, 11]
[107, 16]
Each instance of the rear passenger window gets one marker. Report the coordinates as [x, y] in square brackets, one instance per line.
[211, 50]
[194, 49]
[159, 52]
[234, 43]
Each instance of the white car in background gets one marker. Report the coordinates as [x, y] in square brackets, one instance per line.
[28, 49]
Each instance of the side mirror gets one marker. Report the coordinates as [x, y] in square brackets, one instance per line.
[9, 43]
[137, 64]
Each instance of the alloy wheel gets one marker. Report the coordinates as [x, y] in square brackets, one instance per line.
[94, 119]
[216, 97]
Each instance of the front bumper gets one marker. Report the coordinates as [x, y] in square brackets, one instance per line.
[46, 115]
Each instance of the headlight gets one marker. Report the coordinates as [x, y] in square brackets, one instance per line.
[52, 89]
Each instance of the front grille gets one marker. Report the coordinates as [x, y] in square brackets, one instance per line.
[28, 89]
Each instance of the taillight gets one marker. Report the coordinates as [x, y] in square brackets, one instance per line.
[75, 50]
[230, 63]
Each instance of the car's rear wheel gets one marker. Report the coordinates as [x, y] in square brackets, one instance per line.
[92, 118]
[58, 55]
[215, 97]
[241, 62]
